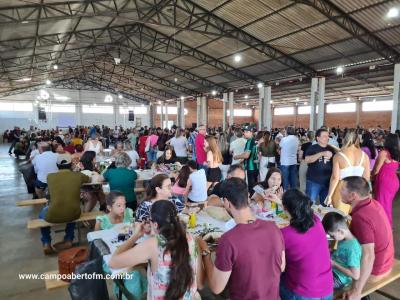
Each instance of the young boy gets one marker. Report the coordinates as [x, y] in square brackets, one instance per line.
[346, 258]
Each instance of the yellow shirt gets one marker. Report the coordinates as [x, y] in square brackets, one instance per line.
[77, 141]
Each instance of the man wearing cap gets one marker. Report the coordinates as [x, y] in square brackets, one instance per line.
[64, 206]
[249, 156]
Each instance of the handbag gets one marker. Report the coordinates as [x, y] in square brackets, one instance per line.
[69, 259]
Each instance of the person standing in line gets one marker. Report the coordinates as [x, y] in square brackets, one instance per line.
[267, 151]
[237, 145]
[201, 156]
[386, 182]
[303, 165]
[288, 149]
[250, 158]
[180, 145]
[319, 160]
[214, 160]
[151, 146]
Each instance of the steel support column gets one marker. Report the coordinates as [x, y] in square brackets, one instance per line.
[224, 110]
[231, 110]
[321, 101]
[396, 99]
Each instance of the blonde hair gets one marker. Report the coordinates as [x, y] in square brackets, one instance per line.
[213, 147]
[351, 139]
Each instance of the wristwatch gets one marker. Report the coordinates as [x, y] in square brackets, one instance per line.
[205, 252]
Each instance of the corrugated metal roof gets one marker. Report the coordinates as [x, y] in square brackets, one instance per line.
[185, 62]
[249, 57]
[210, 4]
[374, 18]
[223, 47]
[302, 15]
[271, 27]
[353, 5]
[242, 12]
[205, 71]
[297, 42]
[390, 36]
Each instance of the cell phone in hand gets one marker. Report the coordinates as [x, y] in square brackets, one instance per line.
[258, 189]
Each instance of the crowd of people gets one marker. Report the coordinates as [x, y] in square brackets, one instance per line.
[243, 170]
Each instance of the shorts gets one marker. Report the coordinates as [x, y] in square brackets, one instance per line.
[214, 174]
[40, 185]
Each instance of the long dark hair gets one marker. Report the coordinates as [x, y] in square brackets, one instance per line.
[183, 176]
[87, 160]
[368, 142]
[181, 277]
[299, 207]
[271, 171]
[267, 138]
[155, 182]
[392, 145]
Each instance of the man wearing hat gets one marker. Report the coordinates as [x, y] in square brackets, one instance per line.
[64, 205]
[250, 156]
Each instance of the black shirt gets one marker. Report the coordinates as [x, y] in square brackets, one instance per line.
[319, 171]
[304, 148]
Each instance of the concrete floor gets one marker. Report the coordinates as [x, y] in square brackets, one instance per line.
[20, 248]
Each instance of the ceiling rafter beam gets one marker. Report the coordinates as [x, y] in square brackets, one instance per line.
[358, 31]
[210, 22]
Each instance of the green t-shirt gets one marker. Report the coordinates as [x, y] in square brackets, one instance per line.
[106, 223]
[347, 254]
[132, 138]
[123, 180]
[65, 201]
[250, 162]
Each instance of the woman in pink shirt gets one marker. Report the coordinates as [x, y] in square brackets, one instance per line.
[151, 146]
[308, 273]
[179, 187]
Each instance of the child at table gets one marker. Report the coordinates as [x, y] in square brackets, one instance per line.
[178, 190]
[118, 213]
[346, 259]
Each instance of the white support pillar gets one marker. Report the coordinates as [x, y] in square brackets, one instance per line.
[313, 100]
[204, 110]
[78, 109]
[261, 103]
[267, 108]
[396, 99]
[321, 102]
[181, 114]
[166, 114]
[151, 115]
[162, 115]
[224, 110]
[358, 110]
[198, 111]
[178, 112]
[231, 115]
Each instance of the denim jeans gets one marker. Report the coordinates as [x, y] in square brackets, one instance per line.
[287, 294]
[152, 155]
[314, 189]
[289, 175]
[45, 231]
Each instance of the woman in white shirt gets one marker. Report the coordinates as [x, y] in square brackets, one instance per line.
[180, 144]
[93, 144]
[196, 188]
[132, 154]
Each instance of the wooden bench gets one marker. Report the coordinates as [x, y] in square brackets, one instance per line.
[31, 202]
[41, 201]
[374, 287]
[40, 223]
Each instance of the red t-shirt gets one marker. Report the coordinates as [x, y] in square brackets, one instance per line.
[70, 149]
[201, 155]
[253, 252]
[370, 225]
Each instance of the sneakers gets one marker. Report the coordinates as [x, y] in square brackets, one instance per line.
[62, 245]
[48, 249]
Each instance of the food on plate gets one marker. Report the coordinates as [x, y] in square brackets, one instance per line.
[218, 213]
[212, 237]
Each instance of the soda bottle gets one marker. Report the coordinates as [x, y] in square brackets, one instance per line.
[192, 220]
